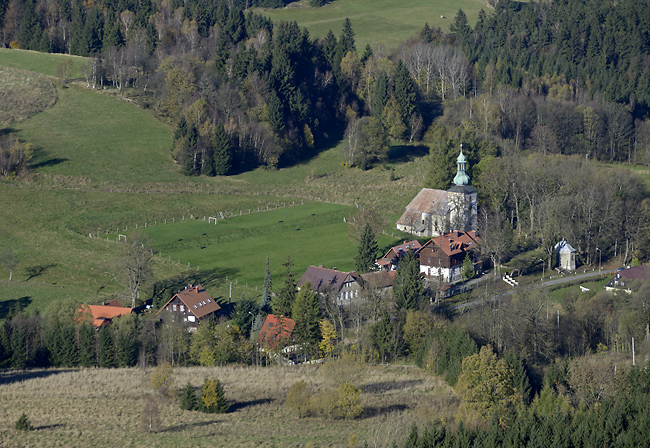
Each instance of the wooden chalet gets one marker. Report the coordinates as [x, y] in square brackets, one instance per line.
[346, 285]
[444, 255]
[191, 305]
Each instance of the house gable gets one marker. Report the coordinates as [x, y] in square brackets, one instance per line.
[193, 304]
[276, 331]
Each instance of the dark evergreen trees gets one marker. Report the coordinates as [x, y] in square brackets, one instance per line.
[283, 301]
[366, 251]
[189, 401]
[221, 152]
[305, 312]
[408, 288]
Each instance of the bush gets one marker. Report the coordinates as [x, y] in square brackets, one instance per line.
[213, 397]
[348, 402]
[299, 398]
[23, 424]
[162, 379]
[189, 402]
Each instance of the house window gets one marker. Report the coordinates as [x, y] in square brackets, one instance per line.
[182, 308]
[174, 307]
[191, 318]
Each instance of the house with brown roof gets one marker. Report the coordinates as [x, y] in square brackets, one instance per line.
[276, 332]
[190, 306]
[627, 280]
[345, 285]
[391, 259]
[102, 314]
[381, 281]
[444, 255]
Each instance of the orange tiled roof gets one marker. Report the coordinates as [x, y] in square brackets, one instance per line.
[103, 314]
[276, 329]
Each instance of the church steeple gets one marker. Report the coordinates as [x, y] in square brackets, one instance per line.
[461, 178]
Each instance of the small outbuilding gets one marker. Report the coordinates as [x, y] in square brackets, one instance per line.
[566, 255]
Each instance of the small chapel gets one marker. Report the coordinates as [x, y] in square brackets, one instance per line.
[434, 212]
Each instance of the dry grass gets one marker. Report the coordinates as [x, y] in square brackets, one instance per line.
[23, 94]
[101, 407]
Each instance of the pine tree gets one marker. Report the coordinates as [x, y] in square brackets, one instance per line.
[367, 54]
[467, 270]
[189, 402]
[106, 349]
[380, 95]
[405, 91]
[305, 313]
[30, 29]
[459, 28]
[366, 251]
[221, 151]
[87, 351]
[346, 41]
[408, 288]
[283, 302]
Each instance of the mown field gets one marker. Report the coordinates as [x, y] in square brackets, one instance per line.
[376, 22]
[103, 408]
[102, 164]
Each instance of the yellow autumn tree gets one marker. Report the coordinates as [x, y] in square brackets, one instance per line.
[486, 387]
[328, 338]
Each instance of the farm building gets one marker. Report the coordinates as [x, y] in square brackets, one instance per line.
[433, 212]
[191, 305]
[444, 255]
[345, 285]
[102, 314]
[566, 255]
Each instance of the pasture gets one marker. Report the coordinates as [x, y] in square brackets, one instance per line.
[45, 63]
[311, 234]
[103, 407]
[379, 23]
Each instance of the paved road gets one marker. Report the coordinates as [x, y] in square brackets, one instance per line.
[556, 281]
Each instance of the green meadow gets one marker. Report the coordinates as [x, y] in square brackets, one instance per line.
[311, 234]
[376, 22]
[103, 165]
[44, 63]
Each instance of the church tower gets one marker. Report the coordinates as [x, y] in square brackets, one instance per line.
[462, 198]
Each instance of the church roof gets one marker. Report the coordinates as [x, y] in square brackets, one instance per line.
[564, 247]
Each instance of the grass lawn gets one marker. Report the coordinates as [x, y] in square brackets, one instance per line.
[376, 22]
[45, 63]
[311, 234]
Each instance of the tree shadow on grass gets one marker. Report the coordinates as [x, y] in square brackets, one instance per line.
[406, 153]
[234, 407]
[36, 270]
[48, 427]
[42, 159]
[185, 426]
[9, 308]
[49, 162]
[389, 385]
[14, 376]
[373, 411]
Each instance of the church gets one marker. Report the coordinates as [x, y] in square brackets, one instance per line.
[434, 212]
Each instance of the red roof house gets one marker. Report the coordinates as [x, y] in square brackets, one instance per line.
[276, 331]
[103, 314]
[191, 304]
[444, 255]
[390, 261]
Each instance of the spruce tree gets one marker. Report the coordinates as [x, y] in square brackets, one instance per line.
[213, 398]
[283, 302]
[408, 288]
[221, 151]
[189, 402]
[305, 313]
[367, 250]
[405, 91]
[346, 41]
[106, 352]
[380, 95]
[87, 352]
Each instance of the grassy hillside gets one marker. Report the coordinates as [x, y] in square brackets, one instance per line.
[376, 22]
[103, 408]
[23, 94]
[44, 63]
[103, 164]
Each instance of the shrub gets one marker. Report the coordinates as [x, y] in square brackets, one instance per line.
[189, 402]
[162, 378]
[348, 402]
[23, 424]
[298, 399]
[213, 397]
